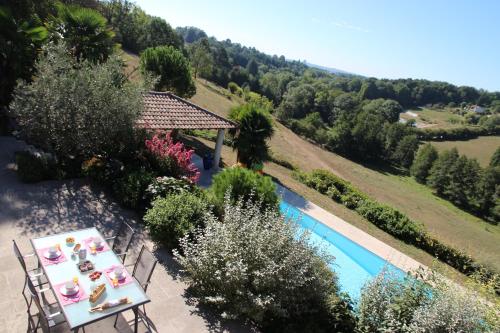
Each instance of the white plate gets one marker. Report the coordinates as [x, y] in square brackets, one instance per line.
[120, 278]
[66, 292]
[49, 255]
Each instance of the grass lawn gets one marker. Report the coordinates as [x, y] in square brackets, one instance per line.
[481, 148]
[132, 65]
[444, 221]
[431, 118]
[214, 98]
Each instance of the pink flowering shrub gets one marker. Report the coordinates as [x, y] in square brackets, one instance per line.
[173, 157]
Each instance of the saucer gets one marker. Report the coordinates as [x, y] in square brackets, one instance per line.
[66, 292]
[54, 255]
[112, 275]
[98, 247]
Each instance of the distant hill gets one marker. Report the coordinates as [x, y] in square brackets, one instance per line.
[331, 70]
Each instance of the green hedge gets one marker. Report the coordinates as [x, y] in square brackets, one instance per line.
[392, 221]
[459, 133]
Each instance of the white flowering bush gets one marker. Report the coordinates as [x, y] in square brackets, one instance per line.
[453, 308]
[163, 186]
[257, 266]
[395, 305]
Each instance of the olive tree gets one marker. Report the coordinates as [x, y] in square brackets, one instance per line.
[256, 265]
[77, 108]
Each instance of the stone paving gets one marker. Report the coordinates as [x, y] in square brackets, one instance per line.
[31, 210]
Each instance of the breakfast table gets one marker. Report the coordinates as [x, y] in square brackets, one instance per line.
[61, 265]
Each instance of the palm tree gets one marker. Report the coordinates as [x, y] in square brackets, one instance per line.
[85, 32]
[20, 40]
[250, 139]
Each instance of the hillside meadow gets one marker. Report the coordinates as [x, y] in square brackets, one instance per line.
[481, 148]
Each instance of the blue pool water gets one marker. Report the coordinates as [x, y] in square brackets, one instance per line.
[354, 265]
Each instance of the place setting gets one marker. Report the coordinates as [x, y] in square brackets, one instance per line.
[96, 245]
[117, 276]
[70, 292]
[51, 255]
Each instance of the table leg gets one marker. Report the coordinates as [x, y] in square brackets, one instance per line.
[76, 330]
[136, 319]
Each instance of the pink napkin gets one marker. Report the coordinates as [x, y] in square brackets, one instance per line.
[67, 300]
[121, 282]
[46, 261]
[104, 247]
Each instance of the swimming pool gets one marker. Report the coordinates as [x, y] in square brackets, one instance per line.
[354, 265]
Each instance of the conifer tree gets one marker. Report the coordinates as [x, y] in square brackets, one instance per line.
[439, 177]
[422, 164]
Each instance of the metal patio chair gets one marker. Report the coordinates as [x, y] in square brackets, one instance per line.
[142, 272]
[36, 275]
[122, 240]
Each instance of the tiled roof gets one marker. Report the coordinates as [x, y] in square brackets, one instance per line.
[164, 110]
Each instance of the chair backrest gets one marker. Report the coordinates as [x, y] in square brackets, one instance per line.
[43, 321]
[19, 256]
[144, 267]
[27, 298]
[123, 238]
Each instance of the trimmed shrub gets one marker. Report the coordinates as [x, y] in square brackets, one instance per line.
[34, 167]
[244, 184]
[333, 193]
[256, 266]
[130, 188]
[175, 216]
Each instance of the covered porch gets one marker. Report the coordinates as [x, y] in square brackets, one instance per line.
[166, 111]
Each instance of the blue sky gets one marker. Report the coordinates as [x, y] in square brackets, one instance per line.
[454, 40]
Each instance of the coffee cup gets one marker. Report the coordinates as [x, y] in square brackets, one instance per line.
[70, 286]
[118, 272]
[97, 242]
[52, 250]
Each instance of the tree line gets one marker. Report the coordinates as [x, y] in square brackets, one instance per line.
[461, 179]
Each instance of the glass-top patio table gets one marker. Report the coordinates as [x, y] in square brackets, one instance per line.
[58, 272]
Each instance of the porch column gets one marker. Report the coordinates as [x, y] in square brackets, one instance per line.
[218, 148]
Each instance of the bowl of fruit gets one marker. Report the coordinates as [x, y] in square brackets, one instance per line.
[70, 241]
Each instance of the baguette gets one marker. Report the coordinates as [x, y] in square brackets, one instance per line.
[97, 292]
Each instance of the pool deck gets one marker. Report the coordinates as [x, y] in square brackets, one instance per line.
[386, 252]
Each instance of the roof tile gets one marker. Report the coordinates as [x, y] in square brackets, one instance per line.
[164, 110]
